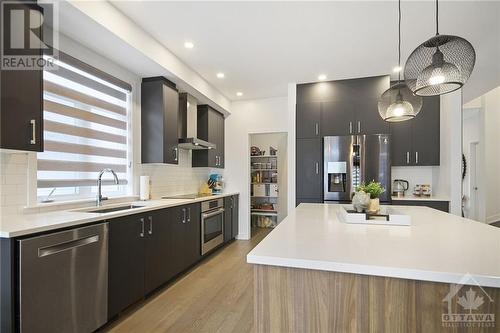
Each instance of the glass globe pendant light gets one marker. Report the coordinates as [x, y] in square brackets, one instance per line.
[398, 103]
[440, 65]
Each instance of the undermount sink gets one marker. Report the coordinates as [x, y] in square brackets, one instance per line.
[111, 209]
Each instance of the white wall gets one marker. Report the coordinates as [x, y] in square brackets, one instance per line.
[450, 169]
[492, 154]
[471, 135]
[419, 175]
[252, 116]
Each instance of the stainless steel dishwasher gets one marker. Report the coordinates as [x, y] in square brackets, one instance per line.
[64, 281]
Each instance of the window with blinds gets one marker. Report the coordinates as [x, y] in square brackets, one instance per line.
[85, 131]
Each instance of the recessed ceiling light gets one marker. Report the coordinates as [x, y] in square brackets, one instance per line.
[239, 94]
[397, 69]
[322, 77]
[220, 75]
[188, 45]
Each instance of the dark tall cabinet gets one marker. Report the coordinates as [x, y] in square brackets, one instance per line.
[231, 206]
[159, 121]
[344, 107]
[211, 129]
[417, 142]
[308, 120]
[309, 169]
[21, 110]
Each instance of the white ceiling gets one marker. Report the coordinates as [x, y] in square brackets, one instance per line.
[262, 46]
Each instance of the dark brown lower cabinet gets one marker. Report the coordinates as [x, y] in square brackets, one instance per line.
[439, 205]
[147, 250]
[185, 236]
[231, 206]
[298, 201]
[125, 262]
[235, 216]
[158, 266]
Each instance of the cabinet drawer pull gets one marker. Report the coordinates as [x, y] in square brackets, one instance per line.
[142, 228]
[416, 157]
[407, 157]
[317, 128]
[359, 126]
[33, 131]
[317, 168]
[176, 154]
[189, 215]
[183, 215]
[150, 218]
[350, 127]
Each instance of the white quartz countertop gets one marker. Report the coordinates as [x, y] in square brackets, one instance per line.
[411, 197]
[437, 246]
[22, 225]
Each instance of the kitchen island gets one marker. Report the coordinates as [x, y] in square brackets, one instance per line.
[315, 273]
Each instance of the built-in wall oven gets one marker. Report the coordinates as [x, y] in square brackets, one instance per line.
[212, 224]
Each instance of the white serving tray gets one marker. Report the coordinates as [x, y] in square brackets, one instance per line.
[395, 217]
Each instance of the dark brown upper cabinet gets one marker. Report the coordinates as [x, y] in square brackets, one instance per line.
[159, 121]
[344, 107]
[308, 120]
[416, 142]
[211, 129]
[21, 110]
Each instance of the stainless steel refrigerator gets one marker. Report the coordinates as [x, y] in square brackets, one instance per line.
[355, 159]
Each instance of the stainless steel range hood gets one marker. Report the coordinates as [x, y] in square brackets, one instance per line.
[188, 129]
[194, 143]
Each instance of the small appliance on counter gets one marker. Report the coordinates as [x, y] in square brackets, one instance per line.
[422, 190]
[216, 183]
[399, 187]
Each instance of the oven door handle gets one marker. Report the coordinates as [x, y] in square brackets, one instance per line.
[208, 215]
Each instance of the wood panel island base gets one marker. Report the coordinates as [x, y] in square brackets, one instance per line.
[303, 300]
[315, 273]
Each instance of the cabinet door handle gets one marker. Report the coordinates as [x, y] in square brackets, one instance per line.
[33, 131]
[142, 227]
[416, 157]
[183, 215]
[350, 127]
[189, 214]
[176, 154]
[359, 126]
[150, 218]
[317, 128]
[407, 157]
[317, 168]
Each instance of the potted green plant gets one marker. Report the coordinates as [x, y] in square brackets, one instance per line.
[374, 189]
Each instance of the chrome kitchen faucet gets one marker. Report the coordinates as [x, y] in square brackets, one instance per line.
[100, 198]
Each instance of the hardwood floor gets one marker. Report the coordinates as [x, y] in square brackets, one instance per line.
[216, 296]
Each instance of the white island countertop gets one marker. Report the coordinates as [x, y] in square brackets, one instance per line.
[437, 247]
[27, 224]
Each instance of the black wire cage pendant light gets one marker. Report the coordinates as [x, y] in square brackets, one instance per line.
[440, 65]
[398, 103]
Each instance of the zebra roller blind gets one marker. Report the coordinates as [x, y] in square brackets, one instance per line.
[85, 131]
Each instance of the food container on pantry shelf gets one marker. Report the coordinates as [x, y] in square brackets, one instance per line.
[259, 190]
[268, 165]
